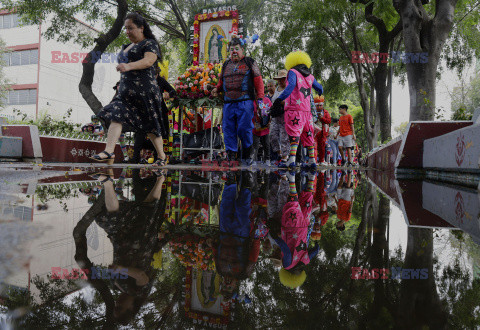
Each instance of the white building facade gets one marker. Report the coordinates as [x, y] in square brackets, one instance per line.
[44, 74]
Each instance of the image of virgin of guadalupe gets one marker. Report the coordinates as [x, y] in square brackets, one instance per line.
[215, 48]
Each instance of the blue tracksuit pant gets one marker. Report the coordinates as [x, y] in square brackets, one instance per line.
[235, 211]
[237, 122]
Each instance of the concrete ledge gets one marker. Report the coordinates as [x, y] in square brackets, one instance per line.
[31, 147]
[470, 179]
[65, 150]
[459, 149]
[10, 147]
[410, 154]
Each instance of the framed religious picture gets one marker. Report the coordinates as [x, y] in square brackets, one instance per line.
[211, 30]
[204, 303]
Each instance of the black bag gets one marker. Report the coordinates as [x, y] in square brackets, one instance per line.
[264, 121]
[200, 192]
[201, 140]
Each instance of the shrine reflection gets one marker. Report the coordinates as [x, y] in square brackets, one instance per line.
[247, 249]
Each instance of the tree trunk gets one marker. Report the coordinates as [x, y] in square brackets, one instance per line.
[102, 42]
[377, 257]
[421, 86]
[423, 34]
[420, 306]
[382, 93]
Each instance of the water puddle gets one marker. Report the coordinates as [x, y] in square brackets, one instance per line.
[235, 249]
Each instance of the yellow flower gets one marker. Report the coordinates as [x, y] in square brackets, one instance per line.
[157, 260]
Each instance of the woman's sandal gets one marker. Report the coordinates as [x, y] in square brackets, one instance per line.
[98, 175]
[159, 172]
[109, 159]
[160, 163]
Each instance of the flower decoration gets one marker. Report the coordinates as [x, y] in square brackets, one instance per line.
[198, 254]
[194, 83]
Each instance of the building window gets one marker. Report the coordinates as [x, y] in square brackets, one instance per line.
[22, 96]
[22, 57]
[9, 21]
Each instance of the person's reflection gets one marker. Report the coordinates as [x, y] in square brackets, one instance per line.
[133, 228]
[320, 210]
[293, 243]
[346, 196]
[237, 250]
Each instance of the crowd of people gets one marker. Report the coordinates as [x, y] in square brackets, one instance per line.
[287, 126]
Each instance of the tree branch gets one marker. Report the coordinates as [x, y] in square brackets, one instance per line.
[180, 18]
[102, 42]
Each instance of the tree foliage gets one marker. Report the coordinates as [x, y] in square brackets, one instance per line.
[4, 82]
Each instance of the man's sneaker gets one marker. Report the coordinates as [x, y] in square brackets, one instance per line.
[267, 162]
[324, 164]
[349, 164]
[247, 162]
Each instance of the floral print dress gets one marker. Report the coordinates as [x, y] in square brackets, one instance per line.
[138, 103]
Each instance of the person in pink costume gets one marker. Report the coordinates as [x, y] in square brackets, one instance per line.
[297, 105]
[294, 234]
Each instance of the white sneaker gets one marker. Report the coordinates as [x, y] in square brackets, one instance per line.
[324, 164]
[291, 176]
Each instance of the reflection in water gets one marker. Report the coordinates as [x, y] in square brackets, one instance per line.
[247, 249]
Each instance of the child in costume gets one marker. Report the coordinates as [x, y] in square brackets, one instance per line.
[297, 97]
[324, 119]
[294, 234]
[261, 131]
[242, 84]
[278, 136]
[94, 127]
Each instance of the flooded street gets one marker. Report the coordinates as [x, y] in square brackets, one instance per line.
[134, 248]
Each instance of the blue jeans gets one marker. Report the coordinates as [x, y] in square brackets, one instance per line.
[335, 151]
[334, 184]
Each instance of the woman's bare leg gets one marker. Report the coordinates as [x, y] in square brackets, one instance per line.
[156, 191]
[114, 132]
[111, 201]
[158, 144]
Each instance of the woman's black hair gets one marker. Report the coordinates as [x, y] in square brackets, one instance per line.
[140, 21]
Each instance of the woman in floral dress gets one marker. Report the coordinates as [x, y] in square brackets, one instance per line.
[138, 104]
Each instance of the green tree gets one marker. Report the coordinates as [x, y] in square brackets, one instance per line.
[466, 99]
[4, 83]
[401, 129]
[426, 28]
[330, 33]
